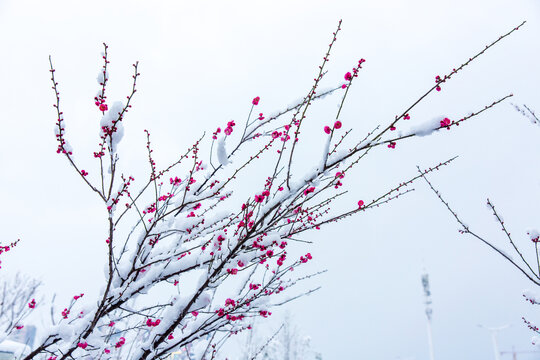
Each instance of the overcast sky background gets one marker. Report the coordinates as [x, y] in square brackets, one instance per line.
[202, 62]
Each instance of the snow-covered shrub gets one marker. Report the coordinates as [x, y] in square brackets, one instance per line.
[18, 296]
[193, 223]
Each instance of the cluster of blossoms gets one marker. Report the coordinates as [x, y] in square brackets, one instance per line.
[102, 106]
[176, 181]
[533, 299]
[151, 323]
[305, 258]
[32, 304]
[337, 125]
[349, 77]
[215, 133]
[534, 235]
[103, 77]
[6, 248]
[283, 135]
[438, 81]
[124, 190]
[339, 175]
[446, 122]
[260, 198]
[229, 129]
[254, 286]
[530, 325]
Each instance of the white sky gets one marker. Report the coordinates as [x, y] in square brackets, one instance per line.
[202, 62]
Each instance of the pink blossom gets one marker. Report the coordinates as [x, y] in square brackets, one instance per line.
[176, 181]
[228, 130]
[121, 342]
[82, 345]
[327, 129]
[103, 107]
[445, 122]
[151, 323]
[360, 203]
[253, 286]
[337, 125]
[256, 101]
[348, 76]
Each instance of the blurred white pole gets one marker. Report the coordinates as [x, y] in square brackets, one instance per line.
[494, 331]
[430, 340]
[495, 345]
[429, 311]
